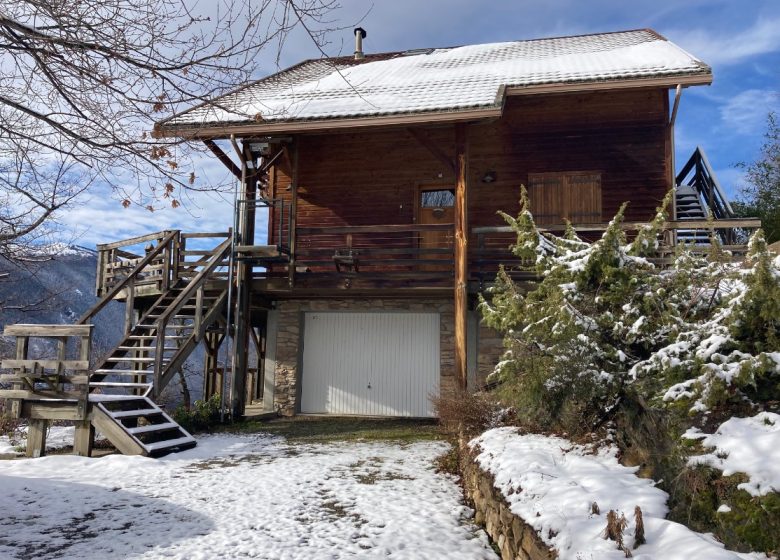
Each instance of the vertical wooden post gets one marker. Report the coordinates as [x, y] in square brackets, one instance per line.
[211, 341]
[101, 256]
[670, 236]
[84, 438]
[22, 345]
[293, 217]
[130, 306]
[461, 256]
[85, 351]
[242, 317]
[167, 255]
[177, 258]
[36, 437]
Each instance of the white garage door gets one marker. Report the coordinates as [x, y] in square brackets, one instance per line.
[372, 364]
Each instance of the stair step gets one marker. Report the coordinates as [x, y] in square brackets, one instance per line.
[167, 327]
[127, 373]
[148, 336]
[167, 443]
[118, 384]
[149, 428]
[134, 413]
[146, 348]
[109, 371]
[127, 359]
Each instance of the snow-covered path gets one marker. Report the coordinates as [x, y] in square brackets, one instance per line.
[251, 496]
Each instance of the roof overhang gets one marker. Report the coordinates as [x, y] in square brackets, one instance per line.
[166, 129]
[214, 132]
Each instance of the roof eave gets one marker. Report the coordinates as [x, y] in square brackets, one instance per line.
[703, 78]
[210, 131]
[215, 132]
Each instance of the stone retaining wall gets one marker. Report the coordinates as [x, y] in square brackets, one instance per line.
[514, 537]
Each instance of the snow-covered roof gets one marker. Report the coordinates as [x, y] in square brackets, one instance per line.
[439, 80]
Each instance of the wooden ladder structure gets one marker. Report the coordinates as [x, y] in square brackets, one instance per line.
[115, 397]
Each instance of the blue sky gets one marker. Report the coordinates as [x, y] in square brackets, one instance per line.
[739, 39]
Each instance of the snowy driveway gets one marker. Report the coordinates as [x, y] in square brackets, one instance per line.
[248, 496]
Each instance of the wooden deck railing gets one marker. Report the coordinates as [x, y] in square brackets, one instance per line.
[392, 251]
[52, 378]
[157, 253]
[155, 261]
[490, 245]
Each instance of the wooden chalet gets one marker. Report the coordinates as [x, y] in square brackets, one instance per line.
[379, 177]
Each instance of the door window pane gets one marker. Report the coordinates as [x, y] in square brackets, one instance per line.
[438, 199]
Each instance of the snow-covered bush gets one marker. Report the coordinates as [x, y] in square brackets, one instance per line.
[729, 355]
[604, 321]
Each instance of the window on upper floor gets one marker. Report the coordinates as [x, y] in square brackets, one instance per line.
[571, 195]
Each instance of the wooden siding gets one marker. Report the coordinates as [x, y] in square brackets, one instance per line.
[371, 177]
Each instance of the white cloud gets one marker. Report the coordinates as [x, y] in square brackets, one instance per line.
[746, 112]
[717, 47]
[731, 179]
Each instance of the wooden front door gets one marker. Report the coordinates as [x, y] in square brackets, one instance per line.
[435, 205]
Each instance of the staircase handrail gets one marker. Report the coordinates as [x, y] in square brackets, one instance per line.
[188, 291]
[112, 293]
[193, 286]
[714, 196]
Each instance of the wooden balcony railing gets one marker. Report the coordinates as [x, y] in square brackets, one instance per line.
[166, 257]
[490, 245]
[52, 378]
[391, 252]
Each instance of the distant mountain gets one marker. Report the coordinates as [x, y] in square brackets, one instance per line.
[57, 290]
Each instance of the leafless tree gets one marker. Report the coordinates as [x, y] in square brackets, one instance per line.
[34, 185]
[83, 81]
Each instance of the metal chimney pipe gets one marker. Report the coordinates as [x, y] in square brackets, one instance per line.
[360, 34]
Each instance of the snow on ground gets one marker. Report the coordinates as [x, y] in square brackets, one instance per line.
[57, 438]
[552, 483]
[745, 445]
[239, 496]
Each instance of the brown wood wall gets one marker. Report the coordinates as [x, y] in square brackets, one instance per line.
[371, 177]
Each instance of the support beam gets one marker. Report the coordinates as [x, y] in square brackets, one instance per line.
[223, 157]
[293, 217]
[428, 144]
[241, 320]
[461, 257]
[212, 376]
[36, 437]
[84, 439]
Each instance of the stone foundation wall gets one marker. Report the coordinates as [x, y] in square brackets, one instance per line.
[288, 339]
[514, 537]
[490, 348]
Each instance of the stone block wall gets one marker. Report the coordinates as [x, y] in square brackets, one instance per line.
[514, 537]
[288, 338]
[489, 351]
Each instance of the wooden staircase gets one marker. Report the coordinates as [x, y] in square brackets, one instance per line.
[698, 196]
[115, 397]
[137, 426]
[689, 206]
[157, 346]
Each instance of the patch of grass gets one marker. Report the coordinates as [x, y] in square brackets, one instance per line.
[310, 429]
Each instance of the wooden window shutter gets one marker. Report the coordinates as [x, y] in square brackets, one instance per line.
[575, 196]
[584, 191]
[546, 193]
